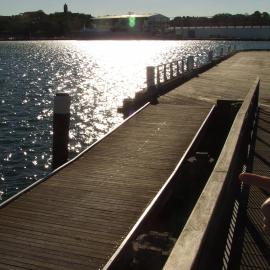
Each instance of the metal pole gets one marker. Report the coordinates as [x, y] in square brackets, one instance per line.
[171, 70]
[178, 68]
[164, 73]
[158, 75]
[210, 56]
[190, 63]
[183, 66]
[150, 76]
[221, 52]
[61, 119]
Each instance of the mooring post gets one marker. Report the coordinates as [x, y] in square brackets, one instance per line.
[221, 52]
[210, 56]
[150, 77]
[177, 68]
[183, 66]
[61, 119]
[190, 63]
[164, 73]
[171, 70]
[158, 75]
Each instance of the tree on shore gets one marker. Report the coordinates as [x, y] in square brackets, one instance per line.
[38, 24]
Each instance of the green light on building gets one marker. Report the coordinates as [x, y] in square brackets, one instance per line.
[132, 21]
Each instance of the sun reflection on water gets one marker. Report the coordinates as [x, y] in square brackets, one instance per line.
[98, 75]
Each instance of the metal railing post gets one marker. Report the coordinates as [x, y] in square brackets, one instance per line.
[210, 56]
[171, 70]
[164, 73]
[150, 76]
[190, 63]
[61, 120]
[158, 75]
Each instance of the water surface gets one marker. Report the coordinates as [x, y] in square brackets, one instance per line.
[97, 74]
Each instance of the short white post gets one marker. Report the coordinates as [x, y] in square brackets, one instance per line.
[150, 76]
[61, 120]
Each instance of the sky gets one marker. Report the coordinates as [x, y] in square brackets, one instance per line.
[170, 8]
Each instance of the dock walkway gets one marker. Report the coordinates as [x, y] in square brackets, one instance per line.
[231, 79]
[248, 247]
[77, 218]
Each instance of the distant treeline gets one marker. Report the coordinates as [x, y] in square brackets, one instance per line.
[38, 24]
[225, 19]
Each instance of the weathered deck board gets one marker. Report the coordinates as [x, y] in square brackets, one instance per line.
[230, 79]
[77, 218]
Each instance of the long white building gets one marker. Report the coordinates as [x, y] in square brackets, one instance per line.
[223, 32]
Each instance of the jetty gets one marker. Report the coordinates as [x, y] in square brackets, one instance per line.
[161, 175]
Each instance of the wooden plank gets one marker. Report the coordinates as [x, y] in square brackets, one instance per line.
[100, 196]
[91, 204]
[230, 79]
[191, 240]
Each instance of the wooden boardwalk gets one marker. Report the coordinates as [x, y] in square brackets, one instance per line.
[230, 79]
[250, 245]
[78, 217]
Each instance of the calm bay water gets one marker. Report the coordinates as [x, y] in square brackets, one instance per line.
[97, 74]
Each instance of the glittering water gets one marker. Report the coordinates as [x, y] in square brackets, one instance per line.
[97, 74]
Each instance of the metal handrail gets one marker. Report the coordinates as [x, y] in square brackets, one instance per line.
[177, 68]
[202, 231]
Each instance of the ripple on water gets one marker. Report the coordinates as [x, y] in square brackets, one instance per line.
[97, 74]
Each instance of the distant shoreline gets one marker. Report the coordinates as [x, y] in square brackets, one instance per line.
[125, 38]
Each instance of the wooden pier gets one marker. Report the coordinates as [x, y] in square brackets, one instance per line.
[241, 243]
[78, 217]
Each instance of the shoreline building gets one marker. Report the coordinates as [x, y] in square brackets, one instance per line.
[132, 23]
[222, 32]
